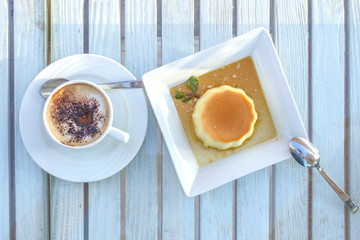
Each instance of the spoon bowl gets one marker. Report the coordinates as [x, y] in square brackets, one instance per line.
[304, 152]
[49, 86]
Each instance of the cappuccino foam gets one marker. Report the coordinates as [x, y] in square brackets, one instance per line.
[77, 114]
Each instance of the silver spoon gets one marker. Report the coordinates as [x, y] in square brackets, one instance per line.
[306, 154]
[48, 86]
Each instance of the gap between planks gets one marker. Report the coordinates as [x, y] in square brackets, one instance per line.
[123, 171]
[310, 123]
[86, 185]
[234, 183]
[347, 130]
[196, 49]
[48, 61]
[272, 170]
[158, 132]
[11, 123]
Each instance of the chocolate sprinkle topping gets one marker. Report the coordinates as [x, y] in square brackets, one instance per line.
[77, 117]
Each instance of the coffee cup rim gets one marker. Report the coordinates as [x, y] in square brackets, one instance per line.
[108, 100]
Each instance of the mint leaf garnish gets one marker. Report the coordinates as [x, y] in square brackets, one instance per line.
[179, 95]
[193, 84]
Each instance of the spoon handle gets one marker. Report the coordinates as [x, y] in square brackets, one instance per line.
[124, 84]
[348, 202]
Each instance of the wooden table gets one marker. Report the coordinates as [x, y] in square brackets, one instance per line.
[318, 43]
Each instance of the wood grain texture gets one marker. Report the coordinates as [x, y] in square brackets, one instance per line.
[216, 206]
[104, 28]
[253, 190]
[30, 180]
[252, 14]
[177, 42]
[66, 28]
[104, 209]
[328, 115]
[217, 209]
[104, 196]
[291, 34]
[67, 198]
[67, 220]
[4, 107]
[354, 164]
[215, 22]
[177, 29]
[141, 174]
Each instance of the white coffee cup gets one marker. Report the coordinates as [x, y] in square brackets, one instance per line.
[112, 131]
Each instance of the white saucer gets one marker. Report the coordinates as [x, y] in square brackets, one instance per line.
[104, 159]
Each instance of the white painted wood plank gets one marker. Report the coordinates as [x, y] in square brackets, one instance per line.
[30, 180]
[215, 22]
[104, 196]
[104, 28]
[4, 106]
[66, 28]
[216, 206]
[291, 35]
[252, 14]
[67, 198]
[253, 190]
[140, 36]
[354, 164]
[177, 30]
[253, 206]
[67, 221]
[141, 173]
[104, 209]
[328, 115]
[178, 210]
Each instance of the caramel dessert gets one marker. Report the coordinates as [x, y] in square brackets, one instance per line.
[240, 75]
[224, 117]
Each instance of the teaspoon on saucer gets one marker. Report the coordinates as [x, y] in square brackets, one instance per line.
[48, 86]
[306, 154]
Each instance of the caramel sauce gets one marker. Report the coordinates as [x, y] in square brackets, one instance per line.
[219, 112]
[240, 74]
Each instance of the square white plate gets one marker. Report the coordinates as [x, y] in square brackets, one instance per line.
[199, 179]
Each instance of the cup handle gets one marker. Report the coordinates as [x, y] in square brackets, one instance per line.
[119, 134]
